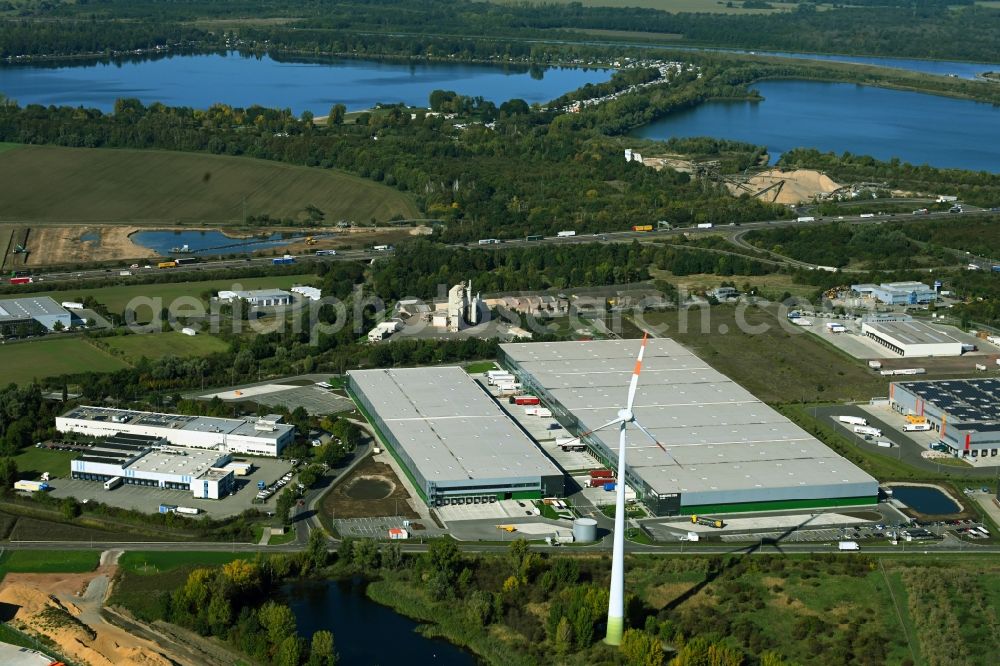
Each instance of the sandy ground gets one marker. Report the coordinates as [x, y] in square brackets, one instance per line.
[339, 502]
[65, 244]
[800, 185]
[66, 608]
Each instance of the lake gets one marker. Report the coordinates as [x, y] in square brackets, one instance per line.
[199, 81]
[863, 120]
[365, 632]
[164, 242]
[926, 500]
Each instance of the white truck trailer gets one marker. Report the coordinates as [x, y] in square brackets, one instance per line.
[853, 420]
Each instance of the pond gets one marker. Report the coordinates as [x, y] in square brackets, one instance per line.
[838, 117]
[167, 242]
[927, 500]
[365, 632]
[199, 81]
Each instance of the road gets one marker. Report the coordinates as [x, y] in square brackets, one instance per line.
[607, 237]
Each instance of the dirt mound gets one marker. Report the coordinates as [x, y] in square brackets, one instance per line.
[796, 186]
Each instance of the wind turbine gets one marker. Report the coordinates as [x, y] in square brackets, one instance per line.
[616, 600]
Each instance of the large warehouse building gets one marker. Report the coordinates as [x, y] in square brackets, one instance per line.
[965, 413]
[455, 442]
[20, 317]
[263, 436]
[910, 338]
[728, 451]
[151, 461]
[897, 293]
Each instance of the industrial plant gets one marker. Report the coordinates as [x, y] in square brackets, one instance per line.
[964, 413]
[21, 317]
[455, 443]
[717, 449]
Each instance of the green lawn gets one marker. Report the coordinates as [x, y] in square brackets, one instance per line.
[4, 147]
[23, 362]
[480, 367]
[53, 184]
[49, 561]
[172, 343]
[31, 462]
[117, 297]
[158, 562]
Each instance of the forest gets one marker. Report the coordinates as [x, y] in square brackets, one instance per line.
[926, 29]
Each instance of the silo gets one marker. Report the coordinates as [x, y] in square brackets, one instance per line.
[584, 530]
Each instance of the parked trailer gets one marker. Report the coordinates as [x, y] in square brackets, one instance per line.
[566, 234]
[168, 508]
[853, 420]
[916, 427]
[601, 474]
[21, 280]
[526, 400]
[867, 430]
[30, 486]
[70, 305]
[885, 444]
[113, 483]
[807, 218]
[188, 510]
[543, 412]
[848, 545]
[710, 522]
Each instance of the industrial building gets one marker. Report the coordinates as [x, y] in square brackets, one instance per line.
[964, 413]
[21, 317]
[897, 293]
[454, 441]
[725, 451]
[151, 461]
[259, 436]
[259, 297]
[911, 338]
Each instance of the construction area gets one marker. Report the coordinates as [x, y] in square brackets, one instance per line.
[723, 450]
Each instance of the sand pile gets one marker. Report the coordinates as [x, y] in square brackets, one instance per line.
[801, 185]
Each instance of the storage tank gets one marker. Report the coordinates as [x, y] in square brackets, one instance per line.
[584, 530]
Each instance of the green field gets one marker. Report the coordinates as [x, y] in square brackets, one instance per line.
[50, 184]
[171, 343]
[776, 365]
[153, 561]
[49, 561]
[32, 461]
[116, 298]
[23, 362]
[681, 6]
[4, 147]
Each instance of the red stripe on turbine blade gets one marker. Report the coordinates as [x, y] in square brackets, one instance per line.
[638, 368]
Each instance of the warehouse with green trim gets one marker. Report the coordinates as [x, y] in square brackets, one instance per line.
[453, 440]
[725, 450]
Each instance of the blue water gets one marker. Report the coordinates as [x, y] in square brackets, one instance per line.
[199, 81]
[365, 632]
[914, 127]
[930, 501]
[205, 242]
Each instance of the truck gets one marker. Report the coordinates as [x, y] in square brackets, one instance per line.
[31, 486]
[180, 261]
[642, 227]
[853, 420]
[382, 248]
[944, 198]
[980, 367]
[280, 261]
[875, 365]
[691, 536]
[543, 412]
[113, 483]
[705, 520]
[921, 211]
[188, 510]
[326, 253]
[867, 430]
[166, 264]
[168, 508]
[489, 241]
[601, 474]
[508, 387]
[705, 225]
[497, 379]
[916, 427]
[124, 273]
[610, 486]
[565, 234]
[71, 305]
[21, 280]
[534, 238]
[807, 218]
[884, 443]
[570, 444]
[526, 400]
[848, 545]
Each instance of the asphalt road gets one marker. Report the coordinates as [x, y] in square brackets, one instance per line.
[607, 237]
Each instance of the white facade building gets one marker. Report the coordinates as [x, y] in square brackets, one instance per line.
[312, 293]
[264, 436]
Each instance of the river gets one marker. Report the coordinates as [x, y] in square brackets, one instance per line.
[915, 127]
[198, 81]
[365, 632]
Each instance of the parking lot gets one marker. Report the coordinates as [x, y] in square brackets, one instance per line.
[499, 510]
[290, 392]
[378, 528]
[148, 499]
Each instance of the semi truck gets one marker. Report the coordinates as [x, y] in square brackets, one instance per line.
[710, 522]
[185, 260]
[113, 483]
[642, 227]
[188, 510]
[21, 280]
[807, 218]
[30, 486]
[570, 444]
[867, 430]
[168, 508]
[566, 234]
[853, 420]
[526, 400]
[287, 259]
[326, 253]
[166, 264]
[489, 241]
[500, 378]
[916, 427]
[705, 225]
[848, 545]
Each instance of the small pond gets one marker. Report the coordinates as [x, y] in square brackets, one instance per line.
[369, 488]
[927, 500]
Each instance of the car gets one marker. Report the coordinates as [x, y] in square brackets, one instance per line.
[984, 489]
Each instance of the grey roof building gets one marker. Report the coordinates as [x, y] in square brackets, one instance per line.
[726, 450]
[965, 413]
[27, 315]
[453, 439]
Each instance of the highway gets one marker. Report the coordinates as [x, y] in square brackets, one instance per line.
[736, 233]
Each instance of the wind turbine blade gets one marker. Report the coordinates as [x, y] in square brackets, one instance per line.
[655, 441]
[606, 425]
[635, 373]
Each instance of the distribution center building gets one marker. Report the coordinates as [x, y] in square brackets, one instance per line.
[263, 436]
[965, 413]
[20, 317]
[910, 338]
[726, 450]
[150, 461]
[452, 438]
